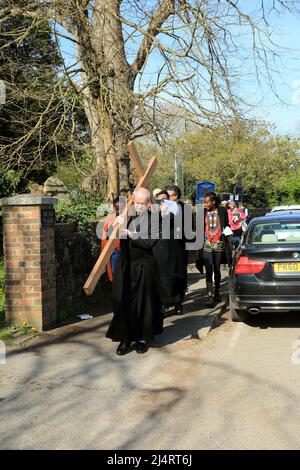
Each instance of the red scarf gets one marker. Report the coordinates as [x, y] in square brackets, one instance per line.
[212, 226]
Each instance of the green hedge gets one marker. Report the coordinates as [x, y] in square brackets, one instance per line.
[83, 210]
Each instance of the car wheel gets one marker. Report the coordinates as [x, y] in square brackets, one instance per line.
[238, 315]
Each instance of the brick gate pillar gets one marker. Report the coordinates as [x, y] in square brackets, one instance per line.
[29, 260]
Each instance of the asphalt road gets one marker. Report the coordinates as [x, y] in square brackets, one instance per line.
[238, 388]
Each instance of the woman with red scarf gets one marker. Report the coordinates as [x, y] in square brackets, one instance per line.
[216, 249]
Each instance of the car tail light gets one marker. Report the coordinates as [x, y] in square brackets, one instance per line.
[246, 265]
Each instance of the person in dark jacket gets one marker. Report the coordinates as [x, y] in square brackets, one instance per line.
[175, 196]
[167, 252]
[216, 248]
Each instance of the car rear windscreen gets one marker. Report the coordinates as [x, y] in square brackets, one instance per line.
[275, 232]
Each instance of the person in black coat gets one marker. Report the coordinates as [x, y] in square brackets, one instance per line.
[175, 196]
[167, 257]
[136, 300]
[216, 248]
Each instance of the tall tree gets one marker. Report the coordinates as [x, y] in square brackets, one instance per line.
[33, 118]
[198, 61]
[246, 151]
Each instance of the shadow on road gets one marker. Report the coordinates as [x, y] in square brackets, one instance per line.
[274, 320]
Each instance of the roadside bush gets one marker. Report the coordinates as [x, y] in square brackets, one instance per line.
[83, 210]
[11, 182]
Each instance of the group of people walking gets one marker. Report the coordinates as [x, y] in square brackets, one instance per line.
[149, 269]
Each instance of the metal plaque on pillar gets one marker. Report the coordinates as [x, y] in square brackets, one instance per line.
[47, 217]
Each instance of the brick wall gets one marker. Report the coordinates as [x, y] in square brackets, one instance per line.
[45, 265]
[74, 262]
[29, 267]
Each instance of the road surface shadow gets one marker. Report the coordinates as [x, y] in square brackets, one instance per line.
[180, 328]
[274, 320]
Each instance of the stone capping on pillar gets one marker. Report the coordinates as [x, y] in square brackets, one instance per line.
[29, 260]
[27, 200]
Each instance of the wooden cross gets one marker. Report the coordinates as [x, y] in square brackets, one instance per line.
[144, 179]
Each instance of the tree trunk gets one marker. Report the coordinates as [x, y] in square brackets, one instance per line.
[113, 186]
[108, 96]
[110, 176]
[121, 141]
[115, 100]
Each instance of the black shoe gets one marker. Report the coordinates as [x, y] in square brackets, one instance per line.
[166, 311]
[141, 347]
[122, 349]
[217, 299]
[210, 302]
[178, 309]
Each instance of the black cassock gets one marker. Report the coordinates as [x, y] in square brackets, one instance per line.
[169, 265]
[178, 255]
[137, 306]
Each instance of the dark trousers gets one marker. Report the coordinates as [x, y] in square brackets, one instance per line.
[212, 263]
[185, 276]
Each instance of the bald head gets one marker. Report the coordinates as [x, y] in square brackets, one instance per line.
[141, 200]
[141, 195]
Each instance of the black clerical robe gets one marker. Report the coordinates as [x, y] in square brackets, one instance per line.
[137, 306]
[168, 261]
[182, 252]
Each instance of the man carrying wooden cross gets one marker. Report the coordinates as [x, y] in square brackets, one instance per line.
[137, 309]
